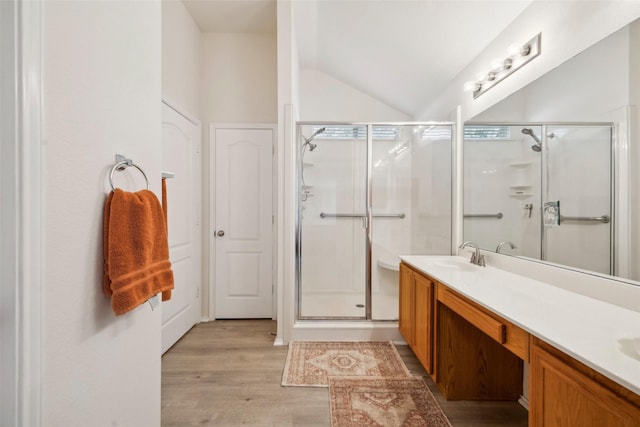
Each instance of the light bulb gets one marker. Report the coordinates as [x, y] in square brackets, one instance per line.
[470, 86]
[515, 49]
[496, 63]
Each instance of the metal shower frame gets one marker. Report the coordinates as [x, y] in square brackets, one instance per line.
[368, 214]
[613, 261]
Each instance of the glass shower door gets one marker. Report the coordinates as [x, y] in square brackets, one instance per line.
[577, 176]
[410, 202]
[332, 230]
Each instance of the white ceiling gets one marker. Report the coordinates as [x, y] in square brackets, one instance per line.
[402, 52]
[233, 16]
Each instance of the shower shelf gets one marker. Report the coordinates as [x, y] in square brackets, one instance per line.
[521, 188]
[521, 195]
[519, 164]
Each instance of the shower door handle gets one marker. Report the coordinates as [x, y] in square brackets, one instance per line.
[220, 233]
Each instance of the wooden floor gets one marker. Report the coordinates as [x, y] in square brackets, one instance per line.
[228, 373]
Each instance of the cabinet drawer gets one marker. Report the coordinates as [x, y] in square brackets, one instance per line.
[487, 324]
[504, 332]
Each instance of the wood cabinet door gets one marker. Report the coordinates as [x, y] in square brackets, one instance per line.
[561, 395]
[406, 312]
[423, 333]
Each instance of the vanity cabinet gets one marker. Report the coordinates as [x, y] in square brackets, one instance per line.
[423, 330]
[565, 392]
[478, 355]
[473, 353]
[406, 317]
[416, 314]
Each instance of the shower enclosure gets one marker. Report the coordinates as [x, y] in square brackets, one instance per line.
[546, 188]
[367, 193]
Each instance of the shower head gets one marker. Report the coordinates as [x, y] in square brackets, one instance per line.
[529, 131]
[316, 133]
[537, 147]
[307, 141]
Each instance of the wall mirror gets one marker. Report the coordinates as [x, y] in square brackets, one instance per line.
[547, 172]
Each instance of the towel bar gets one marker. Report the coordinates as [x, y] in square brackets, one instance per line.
[498, 215]
[121, 164]
[603, 219]
[337, 215]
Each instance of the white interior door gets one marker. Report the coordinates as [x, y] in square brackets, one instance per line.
[243, 225]
[181, 156]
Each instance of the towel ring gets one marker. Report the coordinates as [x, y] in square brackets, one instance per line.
[122, 165]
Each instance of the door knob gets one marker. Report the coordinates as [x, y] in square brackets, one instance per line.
[220, 233]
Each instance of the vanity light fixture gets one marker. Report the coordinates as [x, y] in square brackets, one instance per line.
[519, 55]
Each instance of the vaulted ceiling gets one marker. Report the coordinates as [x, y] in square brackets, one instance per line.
[402, 52]
[233, 16]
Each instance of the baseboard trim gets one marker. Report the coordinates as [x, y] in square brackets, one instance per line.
[524, 402]
[345, 331]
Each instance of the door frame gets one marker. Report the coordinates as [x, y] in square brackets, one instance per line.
[21, 212]
[196, 157]
[273, 127]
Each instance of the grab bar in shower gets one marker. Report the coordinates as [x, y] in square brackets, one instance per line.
[605, 219]
[498, 215]
[337, 215]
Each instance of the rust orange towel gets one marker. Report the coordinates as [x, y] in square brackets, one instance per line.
[136, 250]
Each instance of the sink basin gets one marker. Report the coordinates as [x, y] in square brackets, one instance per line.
[455, 264]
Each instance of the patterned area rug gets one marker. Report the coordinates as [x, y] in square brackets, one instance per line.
[384, 402]
[311, 363]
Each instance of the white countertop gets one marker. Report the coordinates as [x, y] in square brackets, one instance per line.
[601, 335]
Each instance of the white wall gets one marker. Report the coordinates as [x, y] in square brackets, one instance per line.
[324, 98]
[181, 49]
[102, 97]
[588, 87]
[567, 29]
[239, 78]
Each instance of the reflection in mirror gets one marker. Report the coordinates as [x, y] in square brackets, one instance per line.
[560, 139]
[502, 189]
[577, 172]
[544, 189]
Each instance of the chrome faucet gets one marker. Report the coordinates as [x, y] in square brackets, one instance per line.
[476, 258]
[505, 243]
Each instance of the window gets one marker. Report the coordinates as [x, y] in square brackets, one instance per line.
[389, 133]
[487, 132]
